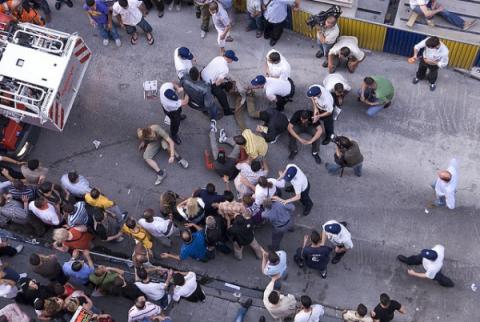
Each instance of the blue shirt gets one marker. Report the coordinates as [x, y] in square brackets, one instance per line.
[99, 14]
[276, 11]
[80, 277]
[208, 199]
[197, 248]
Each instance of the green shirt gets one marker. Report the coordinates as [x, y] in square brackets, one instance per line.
[384, 92]
[104, 282]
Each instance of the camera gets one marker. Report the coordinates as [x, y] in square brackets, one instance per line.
[335, 140]
[319, 19]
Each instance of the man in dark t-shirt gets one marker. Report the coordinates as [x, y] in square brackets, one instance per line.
[385, 310]
[241, 232]
[314, 253]
[302, 122]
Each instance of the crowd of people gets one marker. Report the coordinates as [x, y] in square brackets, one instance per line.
[209, 221]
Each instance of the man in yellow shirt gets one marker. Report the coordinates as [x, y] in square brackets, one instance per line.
[95, 199]
[255, 146]
[140, 235]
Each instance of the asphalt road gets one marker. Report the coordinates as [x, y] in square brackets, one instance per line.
[403, 147]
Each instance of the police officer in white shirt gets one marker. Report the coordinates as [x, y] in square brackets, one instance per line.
[445, 185]
[277, 65]
[339, 236]
[435, 56]
[275, 13]
[299, 185]
[278, 91]
[172, 106]
[182, 58]
[345, 50]
[432, 261]
[338, 86]
[215, 73]
[322, 104]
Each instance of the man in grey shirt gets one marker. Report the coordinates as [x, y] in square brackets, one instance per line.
[280, 217]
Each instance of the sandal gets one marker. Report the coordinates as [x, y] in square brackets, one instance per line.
[150, 40]
[134, 40]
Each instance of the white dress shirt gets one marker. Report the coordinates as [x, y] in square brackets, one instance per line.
[182, 66]
[168, 104]
[280, 70]
[433, 267]
[447, 189]
[440, 54]
[276, 86]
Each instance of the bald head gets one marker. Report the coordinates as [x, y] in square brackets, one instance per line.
[445, 175]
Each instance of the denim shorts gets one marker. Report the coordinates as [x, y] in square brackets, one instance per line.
[143, 24]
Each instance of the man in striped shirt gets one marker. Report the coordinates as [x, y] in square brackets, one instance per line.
[13, 210]
[76, 214]
[143, 310]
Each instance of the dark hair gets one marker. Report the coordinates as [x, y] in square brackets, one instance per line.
[240, 140]
[345, 51]
[274, 57]
[68, 207]
[34, 259]
[130, 223]
[248, 200]
[338, 87]
[94, 193]
[148, 214]
[213, 6]
[227, 86]
[194, 73]
[3, 200]
[274, 297]
[362, 310]
[178, 279]
[267, 203]
[306, 301]
[228, 195]
[264, 183]
[142, 273]
[57, 288]
[3, 318]
[38, 304]
[39, 202]
[98, 215]
[240, 220]
[123, 3]
[73, 176]
[273, 257]
[33, 164]
[384, 299]
[369, 81]
[90, 3]
[210, 187]
[256, 165]
[344, 142]
[77, 266]
[45, 187]
[315, 237]
[140, 302]
[432, 42]
[304, 114]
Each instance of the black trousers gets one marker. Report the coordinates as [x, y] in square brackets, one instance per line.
[293, 144]
[305, 198]
[328, 124]
[273, 30]
[221, 96]
[8, 251]
[197, 295]
[283, 100]
[175, 119]
[440, 278]
[432, 71]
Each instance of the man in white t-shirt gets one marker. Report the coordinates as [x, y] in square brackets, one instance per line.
[277, 90]
[153, 291]
[186, 287]
[445, 186]
[157, 226]
[276, 65]
[327, 35]
[432, 261]
[182, 58]
[222, 23]
[339, 236]
[275, 263]
[430, 8]
[323, 107]
[278, 305]
[309, 312]
[299, 185]
[172, 106]
[338, 86]
[215, 73]
[47, 213]
[143, 310]
[345, 50]
[130, 15]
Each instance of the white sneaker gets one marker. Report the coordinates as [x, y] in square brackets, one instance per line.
[105, 42]
[118, 42]
[160, 178]
[183, 163]
[213, 126]
[202, 34]
[178, 7]
[166, 120]
[19, 248]
[170, 6]
[223, 136]
[23, 275]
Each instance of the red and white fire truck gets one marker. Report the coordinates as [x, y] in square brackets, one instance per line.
[41, 71]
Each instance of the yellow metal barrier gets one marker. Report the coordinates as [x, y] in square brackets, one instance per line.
[461, 55]
[298, 23]
[240, 5]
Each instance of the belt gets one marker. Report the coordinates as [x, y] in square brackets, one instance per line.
[283, 225]
[169, 228]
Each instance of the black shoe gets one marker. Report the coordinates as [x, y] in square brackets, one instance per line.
[198, 13]
[273, 42]
[402, 258]
[325, 64]
[307, 210]
[177, 140]
[319, 54]
[317, 158]
[266, 36]
[335, 260]
[58, 5]
[326, 141]
[432, 87]
[69, 3]
[292, 155]
[415, 80]
[262, 319]
[228, 112]
[247, 303]
[182, 117]
[160, 14]
[323, 275]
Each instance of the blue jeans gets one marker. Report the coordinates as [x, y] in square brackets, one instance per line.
[241, 314]
[255, 23]
[143, 24]
[333, 168]
[325, 48]
[440, 201]
[370, 97]
[450, 17]
[105, 33]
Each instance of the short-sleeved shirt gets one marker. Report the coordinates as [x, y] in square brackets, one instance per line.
[280, 70]
[351, 43]
[80, 240]
[141, 236]
[215, 70]
[81, 277]
[48, 268]
[332, 79]
[317, 257]
[32, 176]
[277, 86]
[262, 193]
[254, 6]
[160, 133]
[186, 289]
[196, 249]
[313, 316]
[277, 10]
[220, 19]
[352, 316]
[247, 172]
[384, 91]
[168, 104]
[208, 199]
[331, 34]
[242, 233]
[300, 181]
[323, 102]
[433, 267]
[297, 120]
[132, 15]
[182, 66]
[99, 14]
[153, 291]
[414, 3]
[105, 281]
[49, 216]
[280, 268]
[342, 238]
[386, 315]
